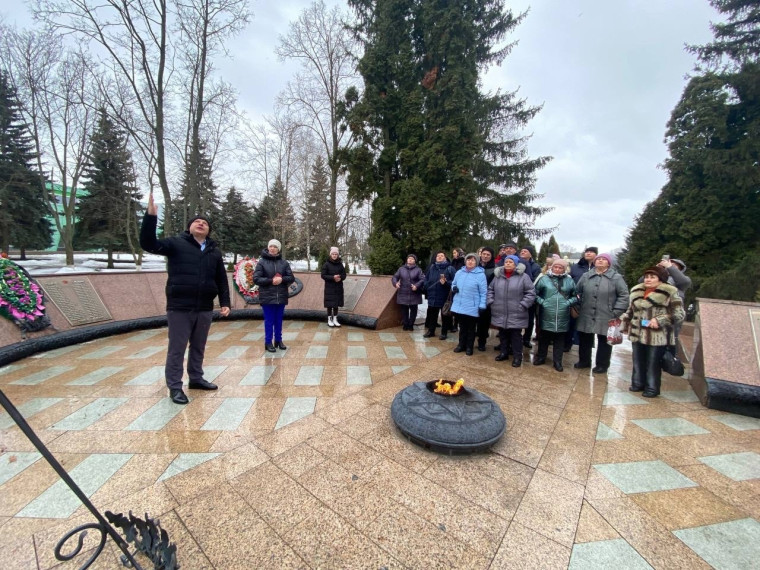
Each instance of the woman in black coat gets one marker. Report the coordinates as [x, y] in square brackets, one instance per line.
[274, 277]
[334, 274]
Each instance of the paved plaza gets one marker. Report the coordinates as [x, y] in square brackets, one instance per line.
[295, 462]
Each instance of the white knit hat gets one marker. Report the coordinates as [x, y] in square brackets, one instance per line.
[274, 242]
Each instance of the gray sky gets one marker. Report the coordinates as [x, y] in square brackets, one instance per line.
[607, 72]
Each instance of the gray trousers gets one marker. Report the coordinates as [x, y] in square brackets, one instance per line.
[184, 327]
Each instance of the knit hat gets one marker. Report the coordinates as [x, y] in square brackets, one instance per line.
[680, 263]
[606, 256]
[489, 249]
[593, 249]
[334, 249]
[514, 259]
[559, 261]
[276, 243]
[511, 244]
[469, 255]
[204, 218]
[660, 272]
[555, 256]
[408, 255]
[531, 250]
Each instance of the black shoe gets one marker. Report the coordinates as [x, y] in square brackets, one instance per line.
[428, 334]
[497, 347]
[178, 396]
[516, 363]
[647, 394]
[459, 349]
[482, 347]
[527, 345]
[501, 356]
[468, 352]
[539, 361]
[599, 370]
[636, 389]
[281, 346]
[444, 336]
[558, 367]
[270, 348]
[581, 365]
[202, 385]
[454, 329]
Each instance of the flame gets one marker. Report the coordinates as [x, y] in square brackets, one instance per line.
[443, 387]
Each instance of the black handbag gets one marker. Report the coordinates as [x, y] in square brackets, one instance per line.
[446, 309]
[671, 364]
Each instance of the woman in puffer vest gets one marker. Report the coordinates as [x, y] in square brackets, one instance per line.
[654, 310]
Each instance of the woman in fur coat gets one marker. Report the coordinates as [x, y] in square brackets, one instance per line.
[655, 309]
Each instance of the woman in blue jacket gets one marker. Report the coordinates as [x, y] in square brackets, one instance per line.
[470, 288]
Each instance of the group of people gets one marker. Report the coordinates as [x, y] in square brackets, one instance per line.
[509, 292]
[196, 276]
[512, 293]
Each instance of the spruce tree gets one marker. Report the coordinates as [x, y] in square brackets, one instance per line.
[707, 212]
[235, 229]
[316, 219]
[275, 217]
[198, 191]
[108, 212]
[552, 246]
[438, 157]
[23, 207]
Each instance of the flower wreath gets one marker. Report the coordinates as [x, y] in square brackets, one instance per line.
[21, 299]
[243, 280]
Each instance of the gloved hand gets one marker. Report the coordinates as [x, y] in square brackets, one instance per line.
[481, 310]
[455, 289]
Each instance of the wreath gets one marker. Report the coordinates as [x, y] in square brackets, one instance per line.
[21, 299]
[243, 280]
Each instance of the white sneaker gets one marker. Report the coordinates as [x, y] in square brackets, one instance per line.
[335, 321]
[330, 321]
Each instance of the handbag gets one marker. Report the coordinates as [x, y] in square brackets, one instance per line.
[446, 309]
[671, 364]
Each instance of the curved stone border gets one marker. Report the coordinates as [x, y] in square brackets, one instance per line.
[17, 351]
[733, 397]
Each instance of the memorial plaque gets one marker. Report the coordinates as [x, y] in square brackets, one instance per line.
[353, 287]
[77, 300]
[754, 317]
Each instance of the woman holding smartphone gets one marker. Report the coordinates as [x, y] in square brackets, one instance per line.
[274, 276]
[654, 311]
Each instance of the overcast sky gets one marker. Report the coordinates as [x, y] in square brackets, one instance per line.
[607, 72]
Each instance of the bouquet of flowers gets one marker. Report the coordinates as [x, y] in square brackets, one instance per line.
[21, 299]
[243, 280]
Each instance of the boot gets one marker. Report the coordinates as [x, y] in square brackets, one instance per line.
[501, 356]
[270, 348]
[517, 361]
[429, 334]
[330, 321]
[335, 322]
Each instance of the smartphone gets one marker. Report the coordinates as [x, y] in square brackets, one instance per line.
[644, 322]
[666, 257]
[441, 275]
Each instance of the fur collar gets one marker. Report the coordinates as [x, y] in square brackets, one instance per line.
[660, 297]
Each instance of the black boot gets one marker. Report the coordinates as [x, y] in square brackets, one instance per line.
[517, 361]
[429, 334]
[270, 348]
[501, 356]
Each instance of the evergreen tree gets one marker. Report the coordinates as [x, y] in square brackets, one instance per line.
[276, 218]
[235, 229]
[707, 212]
[317, 220]
[23, 205]
[198, 191]
[432, 146]
[107, 214]
[543, 253]
[385, 256]
[552, 246]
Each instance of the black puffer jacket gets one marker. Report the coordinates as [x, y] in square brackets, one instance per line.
[266, 268]
[195, 277]
[333, 289]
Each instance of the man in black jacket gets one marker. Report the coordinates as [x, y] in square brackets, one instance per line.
[196, 275]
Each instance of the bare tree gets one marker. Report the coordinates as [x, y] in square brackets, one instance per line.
[323, 45]
[204, 25]
[59, 103]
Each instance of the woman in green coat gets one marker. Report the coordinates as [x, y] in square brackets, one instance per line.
[555, 293]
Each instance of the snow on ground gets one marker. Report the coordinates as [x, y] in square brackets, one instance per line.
[55, 263]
